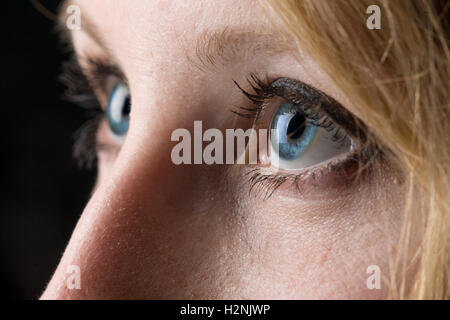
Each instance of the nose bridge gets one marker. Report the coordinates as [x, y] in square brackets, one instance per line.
[128, 220]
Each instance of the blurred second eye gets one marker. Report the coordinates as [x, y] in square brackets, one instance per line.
[118, 110]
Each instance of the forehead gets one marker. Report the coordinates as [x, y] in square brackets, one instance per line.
[166, 24]
[167, 40]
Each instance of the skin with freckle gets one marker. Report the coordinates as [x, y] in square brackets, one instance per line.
[156, 230]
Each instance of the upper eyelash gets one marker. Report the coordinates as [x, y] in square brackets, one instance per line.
[80, 84]
[98, 71]
[324, 111]
[78, 88]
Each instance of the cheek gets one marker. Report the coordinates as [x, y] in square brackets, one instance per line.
[226, 245]
[181, 236]
[106, 156]
[301, 249]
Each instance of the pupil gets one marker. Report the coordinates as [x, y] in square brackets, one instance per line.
[296, 126]
[127, 107]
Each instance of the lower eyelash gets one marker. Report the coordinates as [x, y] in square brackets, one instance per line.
[265, 185]
[85, 146]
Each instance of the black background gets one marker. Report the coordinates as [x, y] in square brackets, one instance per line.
[42, 190]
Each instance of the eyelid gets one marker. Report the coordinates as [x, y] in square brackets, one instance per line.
[300, 93]
[303, 94]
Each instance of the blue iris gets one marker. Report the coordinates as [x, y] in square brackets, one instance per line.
[118, 111]
[295, 132]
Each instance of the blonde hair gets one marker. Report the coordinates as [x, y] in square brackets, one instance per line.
[397, 79]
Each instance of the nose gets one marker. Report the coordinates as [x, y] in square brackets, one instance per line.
[135, 237]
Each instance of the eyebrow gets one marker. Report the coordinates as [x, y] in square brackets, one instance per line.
[87, 26]
[212, 48]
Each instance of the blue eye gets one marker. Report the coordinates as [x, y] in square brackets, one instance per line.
[296, 142]
[295, 131]
[118, 110]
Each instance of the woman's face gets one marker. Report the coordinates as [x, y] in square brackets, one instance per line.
[156, 229]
